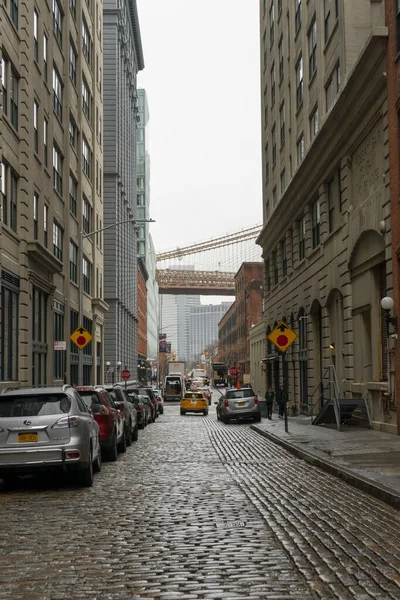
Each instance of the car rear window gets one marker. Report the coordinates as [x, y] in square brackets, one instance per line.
[194, 395]
[239, 394]
[90, 398]
[34, 406]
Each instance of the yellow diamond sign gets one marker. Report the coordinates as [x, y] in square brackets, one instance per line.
[81, 337]
[282, 336]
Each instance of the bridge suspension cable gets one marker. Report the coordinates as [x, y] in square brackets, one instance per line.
[212, 244]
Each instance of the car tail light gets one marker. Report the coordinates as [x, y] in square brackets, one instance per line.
[226, 403]
[255, 399]
[66, 422]
[104, 410]
[138, 408]
[73, 454]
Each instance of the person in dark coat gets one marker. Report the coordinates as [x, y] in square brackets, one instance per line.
[269, 400]
[282, 398]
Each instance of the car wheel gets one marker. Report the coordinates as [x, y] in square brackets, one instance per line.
[97, 462]
[135, 434]
[183, 412]
[218, 417]
[142, 424]
[205, 412]
[113, 452]
[122, 443]
[225, 420]
[128, 435]
[85, 476]
[257, 419]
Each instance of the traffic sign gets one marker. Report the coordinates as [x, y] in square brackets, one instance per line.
[81, 337]
[125, 374]
[282, 336]
[234, 371]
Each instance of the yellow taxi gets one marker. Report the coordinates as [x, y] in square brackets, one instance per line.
[194, 402]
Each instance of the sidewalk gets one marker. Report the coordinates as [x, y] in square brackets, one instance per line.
[364, 458]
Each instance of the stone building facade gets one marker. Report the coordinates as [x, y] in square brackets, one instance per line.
[51, 189]
[123, 59]
[326, 238]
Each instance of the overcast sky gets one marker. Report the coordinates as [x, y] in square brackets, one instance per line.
[202, 81]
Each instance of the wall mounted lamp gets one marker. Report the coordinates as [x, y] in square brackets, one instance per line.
[332, 345]
[387, 305]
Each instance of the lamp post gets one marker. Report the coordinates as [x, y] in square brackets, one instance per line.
[83, 236]
[108, 364]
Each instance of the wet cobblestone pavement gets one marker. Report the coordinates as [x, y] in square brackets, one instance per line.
[197, 509]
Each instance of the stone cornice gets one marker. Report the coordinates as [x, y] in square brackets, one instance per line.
[363, 86]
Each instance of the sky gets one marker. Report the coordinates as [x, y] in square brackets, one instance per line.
[202, 82]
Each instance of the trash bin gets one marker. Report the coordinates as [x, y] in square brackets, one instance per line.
[263, 408]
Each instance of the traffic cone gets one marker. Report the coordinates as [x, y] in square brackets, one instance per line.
[238, 385]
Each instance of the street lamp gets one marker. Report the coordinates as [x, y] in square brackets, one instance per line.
[387, 305]
[82, 236]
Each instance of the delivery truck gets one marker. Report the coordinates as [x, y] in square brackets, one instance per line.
[220, 374]
[174, 387]
[176, 366]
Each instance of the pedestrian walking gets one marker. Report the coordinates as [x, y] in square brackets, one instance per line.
[269, 400]
[282, 398]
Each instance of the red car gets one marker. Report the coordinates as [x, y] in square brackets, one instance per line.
[109, 419]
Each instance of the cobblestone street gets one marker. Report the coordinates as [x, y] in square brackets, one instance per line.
[197, 509]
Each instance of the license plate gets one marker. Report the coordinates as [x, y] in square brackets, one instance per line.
[241, 403]
[28, 437]
[193, 401]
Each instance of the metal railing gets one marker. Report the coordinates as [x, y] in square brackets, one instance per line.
[329, 381]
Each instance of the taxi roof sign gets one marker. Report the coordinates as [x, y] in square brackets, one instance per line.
[81, 337]
[282, 336]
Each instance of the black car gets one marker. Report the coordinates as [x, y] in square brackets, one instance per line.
[142, 411]
[146, 391]
[124, 405]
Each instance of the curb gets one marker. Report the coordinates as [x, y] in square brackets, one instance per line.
[381, 492]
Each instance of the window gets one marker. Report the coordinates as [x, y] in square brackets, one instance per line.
[314, 123]
[271, 23]
[59, 335]
[316, 221]
[299, 82]
[86, 98]
[280, 56]
[57, 241]
[45, 144]
[274, 197]
[4, 82]
[297, 18]
[4, 200]
[13, 200]
[300, 149]
[282, 122]
[14, 99]
[35, 215]
[265, 105]
[302, 238]
[45, 224]
[283, 182]
[45, 43]
[39, 334]
[72, 8]
[14, 12]
[312, 49]
[9, 326]
[86, 157]
[86, 275]
[332, 88]
[35, 127]
[86, 42]
[57, 93]
[275, 266]
[73, 262]
[72, 131]
[279, 7]
[284, 257]
[73, 193]
[339, 182]
[328, 15]
[267, 211]
[268, 273]
[265, 49]
[57, 170]
[273, 139]
[331, 204]
[266, 163]
[87, 213]
[272, 84]
[73, 58]
[9, 191]
[35, 35]
[57, 20]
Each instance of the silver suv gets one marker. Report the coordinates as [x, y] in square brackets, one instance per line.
[44, 428]
[238, 404]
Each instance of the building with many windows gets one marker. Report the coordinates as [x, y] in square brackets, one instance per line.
[326, 238]
[123, 58]
[203, 327]
[51, 189]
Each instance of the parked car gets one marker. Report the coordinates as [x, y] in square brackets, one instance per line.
[207, 393]
[160, 400]
[143, 411]
[194, 402]
[121, 401]
[48, 428]
[149, 407]
[238, 404]
[144, 391]
[110, 420]
[151, 394]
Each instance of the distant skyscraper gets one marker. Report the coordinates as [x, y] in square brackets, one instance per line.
[174, 321]
[203, 327]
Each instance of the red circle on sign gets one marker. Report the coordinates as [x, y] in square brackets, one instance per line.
[282, 340]
[81, 340]
[125, 374]
[234, 371]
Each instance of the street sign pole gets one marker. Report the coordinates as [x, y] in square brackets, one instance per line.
[285, 391]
